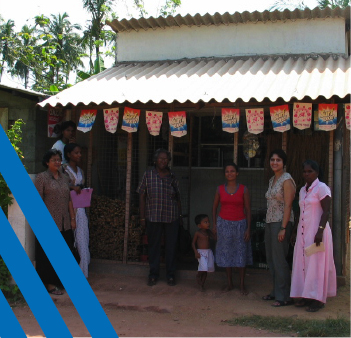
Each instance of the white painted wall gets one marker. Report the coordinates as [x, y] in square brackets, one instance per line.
[290, 37]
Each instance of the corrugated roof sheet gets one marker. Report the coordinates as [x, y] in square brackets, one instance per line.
[226, 18]
[22, 90]
[206, 79]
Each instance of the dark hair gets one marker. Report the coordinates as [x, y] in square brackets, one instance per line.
[162, 151]
[199, 218]
[50, 153]
[59, 128]
[69, 148]
[315, 166]
[281, 153]
[231, 164]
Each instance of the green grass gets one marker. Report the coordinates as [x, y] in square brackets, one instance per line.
[339, 327]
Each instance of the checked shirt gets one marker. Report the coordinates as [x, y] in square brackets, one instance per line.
[162, 194]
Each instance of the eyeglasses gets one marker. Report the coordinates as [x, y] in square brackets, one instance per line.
[55, 160]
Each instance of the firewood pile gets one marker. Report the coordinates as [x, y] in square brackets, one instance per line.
[106, 223]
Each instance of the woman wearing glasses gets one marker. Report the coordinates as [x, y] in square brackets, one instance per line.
[53, 187]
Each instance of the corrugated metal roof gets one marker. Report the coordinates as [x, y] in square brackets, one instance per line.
[22, 90]
[226, 18]
[206, 79]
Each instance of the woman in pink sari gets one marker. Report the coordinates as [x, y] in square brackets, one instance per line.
[313, 276]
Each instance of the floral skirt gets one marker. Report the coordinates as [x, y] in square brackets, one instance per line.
[231, 248]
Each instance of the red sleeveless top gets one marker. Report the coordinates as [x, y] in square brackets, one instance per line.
[232, 205]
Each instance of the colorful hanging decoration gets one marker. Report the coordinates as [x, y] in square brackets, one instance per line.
[255, 120]
[130, 120]
[280, 118]
[230, 120]
[154, 122]
[177, 123]
[55, 116]
[111, 119]
[327, 116]
[302, 115]
[250, 145]
[86, 120]
[347, 107]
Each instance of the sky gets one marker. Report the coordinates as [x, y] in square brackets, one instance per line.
[23, 11]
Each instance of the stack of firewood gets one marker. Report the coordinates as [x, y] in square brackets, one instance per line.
[107, 228]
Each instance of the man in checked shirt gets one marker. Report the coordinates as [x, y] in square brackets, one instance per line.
[160, 210]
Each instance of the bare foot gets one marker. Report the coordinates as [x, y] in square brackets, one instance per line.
[227, 288]
[198, 279]
[202, 288]
[243, 291]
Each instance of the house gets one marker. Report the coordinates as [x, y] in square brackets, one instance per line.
[200, 65]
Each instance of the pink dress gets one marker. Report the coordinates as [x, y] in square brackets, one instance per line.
[313, 277]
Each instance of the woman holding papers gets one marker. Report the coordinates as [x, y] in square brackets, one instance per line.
[81, 234]
[313, 275]
[53, 187]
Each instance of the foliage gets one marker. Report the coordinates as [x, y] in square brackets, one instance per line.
[300, 4]
[339, 327]
[333, 3]
[15, 136]
[169, 7]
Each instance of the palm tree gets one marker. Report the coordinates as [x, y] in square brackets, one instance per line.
[7, 36]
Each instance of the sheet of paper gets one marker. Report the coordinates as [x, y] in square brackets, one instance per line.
[310, 250]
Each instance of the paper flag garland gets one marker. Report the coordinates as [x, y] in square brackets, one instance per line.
[55, 116]
[347, 107]
[130, 120]
[177, 123]
[327, 116]
[86, 120]
[280, 118]
[111, 119]
[255, 120]
[154, 122]
[302, 115]
[230, 120]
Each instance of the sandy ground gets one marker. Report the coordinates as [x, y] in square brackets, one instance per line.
[137, 310]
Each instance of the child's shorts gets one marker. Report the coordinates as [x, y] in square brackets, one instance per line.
[206, 261]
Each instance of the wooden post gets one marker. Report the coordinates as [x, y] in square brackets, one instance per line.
[189, 167]
[90, 158]
[128, 186]
[236, 147]
[284, 140]
[330, 170]
[170, 138]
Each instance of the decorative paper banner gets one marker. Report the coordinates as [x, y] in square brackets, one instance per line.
[280, 118]
[302, 115]
[130, 120]
[230, 120]
[255, 120]
[55, 116]
[111, 119]
[153, 122]
[86, 120]
[327, 116]
[347, 107]
[177, 123]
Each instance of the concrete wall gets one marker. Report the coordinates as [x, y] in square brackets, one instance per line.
[295, 37]
[19, 107]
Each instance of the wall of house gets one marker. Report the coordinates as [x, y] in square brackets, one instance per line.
[17, 107]
[294, 37]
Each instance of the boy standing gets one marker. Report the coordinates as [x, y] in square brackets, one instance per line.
[203, 253]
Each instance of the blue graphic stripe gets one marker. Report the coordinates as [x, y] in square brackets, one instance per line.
[53, 243]
[34, 292]
[10, 327]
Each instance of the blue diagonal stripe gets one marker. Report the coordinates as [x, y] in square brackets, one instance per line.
[10, 327]
[52, 242]
[34, 292]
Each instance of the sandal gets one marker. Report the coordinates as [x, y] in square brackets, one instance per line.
[56, 291]
[280, 303]
[151, 281]
[303, 302]
[315, 306]
[268, 297]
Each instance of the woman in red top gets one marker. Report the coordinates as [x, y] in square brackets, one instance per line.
[232, 226]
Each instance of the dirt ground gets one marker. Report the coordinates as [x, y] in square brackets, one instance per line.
[137, 310]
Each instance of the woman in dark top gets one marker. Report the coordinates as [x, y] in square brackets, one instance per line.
[53, 187]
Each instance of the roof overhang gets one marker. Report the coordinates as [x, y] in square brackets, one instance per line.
[208, 79]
